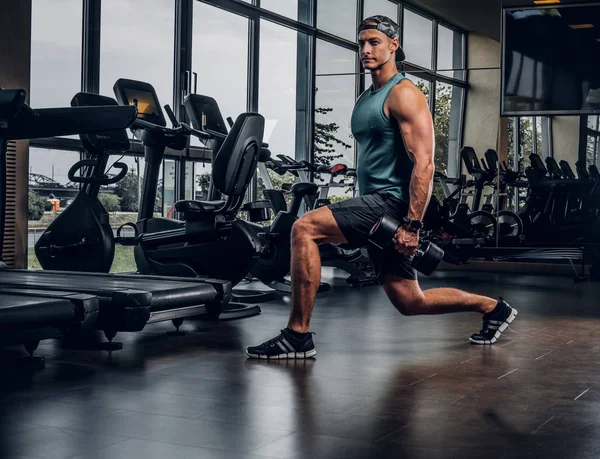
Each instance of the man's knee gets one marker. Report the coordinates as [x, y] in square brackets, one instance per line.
[305, 228]
[407, 299]
[316, 226]
[409, 306]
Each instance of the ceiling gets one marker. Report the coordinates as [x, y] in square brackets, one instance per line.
[481, 16]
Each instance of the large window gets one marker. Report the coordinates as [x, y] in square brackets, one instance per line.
[282, 100]
[442, 115]
[417, 38]
[530, 137]
[337, 17]
[334, 102]
[220, 57]
[593, 134]
[121, 201]
[380, 7]
[202, 174]
[297, 10]
[450, 55]
[55, 52]
[137, 43]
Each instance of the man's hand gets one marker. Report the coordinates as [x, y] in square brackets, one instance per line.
[406, 242]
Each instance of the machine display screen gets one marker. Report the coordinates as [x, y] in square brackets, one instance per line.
[207, 114]
[147, 105]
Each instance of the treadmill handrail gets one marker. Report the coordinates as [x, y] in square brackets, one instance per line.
[51, 122]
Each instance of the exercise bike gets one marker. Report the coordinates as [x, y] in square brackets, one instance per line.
[354, 261]
[509, 224]
[482, 221]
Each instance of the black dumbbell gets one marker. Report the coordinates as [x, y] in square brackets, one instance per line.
[428, 255]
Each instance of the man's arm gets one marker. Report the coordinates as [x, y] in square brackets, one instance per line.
[408, 106]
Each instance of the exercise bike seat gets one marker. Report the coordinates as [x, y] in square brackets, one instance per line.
[302, 189]
[192, 207]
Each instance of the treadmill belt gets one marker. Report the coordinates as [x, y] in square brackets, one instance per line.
[165, 293]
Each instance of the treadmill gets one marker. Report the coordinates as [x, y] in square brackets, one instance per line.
[126, 303]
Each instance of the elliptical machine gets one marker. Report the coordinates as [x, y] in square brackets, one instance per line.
[90, 246]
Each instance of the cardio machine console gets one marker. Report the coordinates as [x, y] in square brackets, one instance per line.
[143, 96]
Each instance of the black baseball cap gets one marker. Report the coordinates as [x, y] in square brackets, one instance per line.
[384, 25]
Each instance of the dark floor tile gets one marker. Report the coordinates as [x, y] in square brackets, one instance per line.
[52, 442]
[159, 383]
[143, 449]
[286, 417]
[188, 432]
[52, 414]
[298, 446]
[141, 401]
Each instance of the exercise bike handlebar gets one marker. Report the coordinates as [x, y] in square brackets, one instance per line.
[145, 125]
[207, 133]
[105, 180]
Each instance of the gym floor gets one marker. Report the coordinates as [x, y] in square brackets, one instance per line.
[382, 385]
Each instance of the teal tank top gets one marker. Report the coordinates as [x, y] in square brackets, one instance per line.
[383, 163]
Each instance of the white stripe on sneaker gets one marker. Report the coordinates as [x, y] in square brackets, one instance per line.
[290, 348]
[499, 329]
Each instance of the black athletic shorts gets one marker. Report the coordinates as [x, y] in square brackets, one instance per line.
[355, 218]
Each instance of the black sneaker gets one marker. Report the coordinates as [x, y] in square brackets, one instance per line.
[494, 323]
[284, 346]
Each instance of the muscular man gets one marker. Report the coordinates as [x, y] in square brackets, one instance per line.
[393, 127]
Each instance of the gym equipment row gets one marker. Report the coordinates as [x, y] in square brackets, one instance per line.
[558, 220]
[75, 300]
[210, 234]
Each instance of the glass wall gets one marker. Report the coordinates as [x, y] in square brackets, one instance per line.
[593, 133]
[282, 64]
[338, 17]
[202, 172]
[298, 10]
[293, 61]
[441, 119]
[380, 7]
[220, 57]
[56, 28]
[417, 39]
[335, 94]
[450, 53]
[137, 43]
[334, 101]
[526, 135]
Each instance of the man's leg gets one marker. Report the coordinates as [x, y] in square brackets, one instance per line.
[313, 228]
[408, 298]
